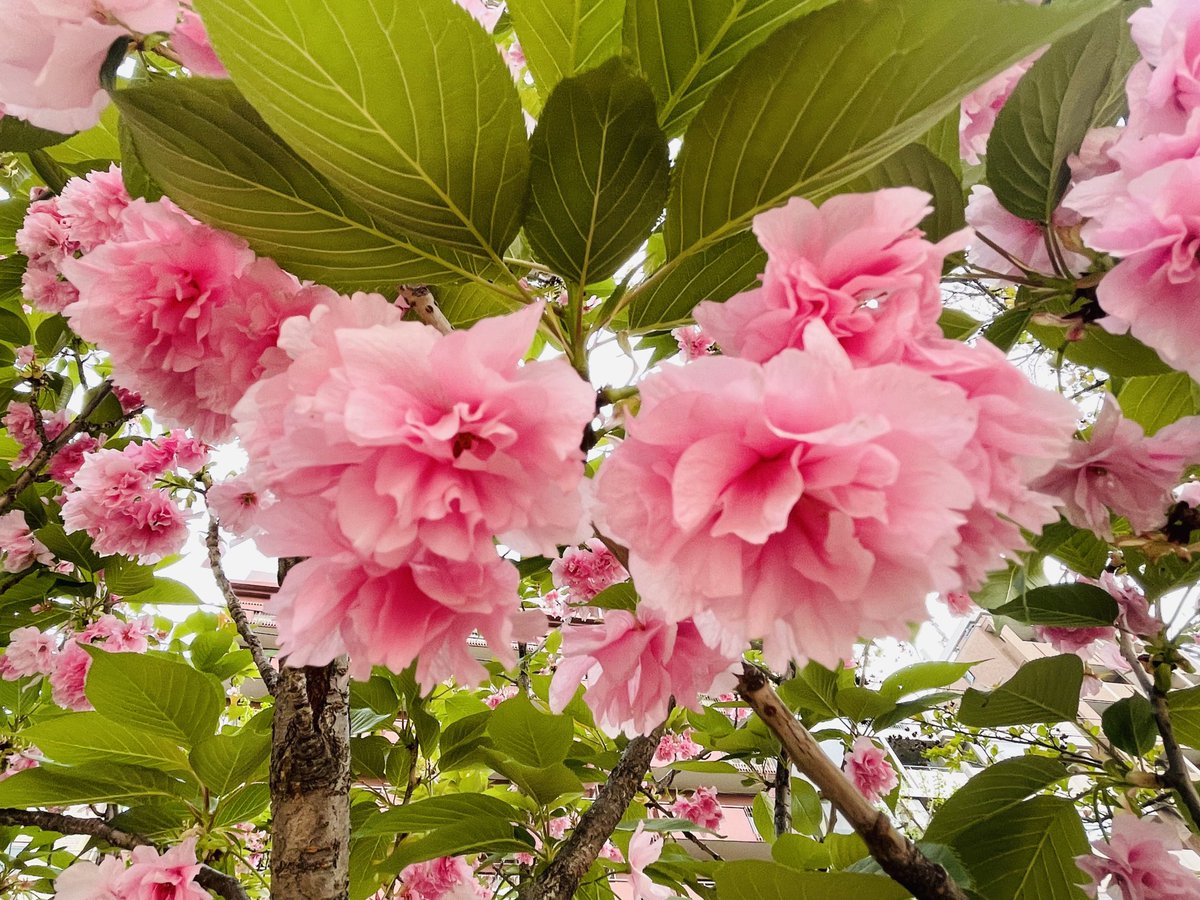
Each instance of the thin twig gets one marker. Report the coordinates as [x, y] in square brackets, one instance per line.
[44, 455]
[896, 854]
[1176, 775]
[225, 885]
[213, 541]
[424, 306]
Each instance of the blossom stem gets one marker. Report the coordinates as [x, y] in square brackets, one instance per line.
[213, 541]
[425, 307]
[896, 854]
[226, 886]
[1176, 775]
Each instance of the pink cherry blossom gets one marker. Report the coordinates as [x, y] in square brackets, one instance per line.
[69, 677]
[50, 66]
[20, 762]
[91, 207]
[19, 422]
[1020, 238]
[1135, 612]
[145, 16]
[693, 342]
[1137, 857]
[1122, 470]
[117, 635]
[236, 502]
[674, 747]
[803, 501]
[1095, 157]
[65, 464]
[129, 400]
[44, 236]
[170, 876]
[29, 652]
[43, 286]
[586, 572]
[23, 357]
[1073, 640]
[1168, 35]
[634, 665]
[558, 827]
[702, 807]
[960, 603]
[857, 263]
[485, 12]
[645, 847]
[404, 436]
[88, 881]
[979, 109]
[190, 42]
[20, 548]
[497, 697]
[869, 770]
[444, 878]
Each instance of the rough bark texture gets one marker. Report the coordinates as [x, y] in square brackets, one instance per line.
[783, 795]
[897, 855]
[310, 782]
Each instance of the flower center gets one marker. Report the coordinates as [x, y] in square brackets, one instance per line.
[481, 447]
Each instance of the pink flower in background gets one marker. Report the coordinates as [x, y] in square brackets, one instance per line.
[44, 287]
[1168, 35]
[19, 422]
[1019, 238]
[24, 356]
[29, 652]
[190, 42]
[91, 207]
[674, 747]
[445, 878]
[960, 603]
[586, 572]
[1073, 640]
[803, 501]
[1094, 157]
[66, 463]
[979, 109]
[856, 263]
[497, 697]
[645, 847]
[44, 235]
[117, 635]
[634, 665]
[1135, 608]
[702, 808]
[1122, 470]
[559, 826]
[174, 450]
[693, 342]
[486, 12]
[50, 66]
[1137, 857]
[20, 548]
[129, 400]
[1189, 493]
[869, 771]
[88, 881]
[20, 762]
[610, 852]
[170, 876]
[236, 502]
[69, 677]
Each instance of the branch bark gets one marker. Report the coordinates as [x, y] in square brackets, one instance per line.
[896, 854]
[420, 298]
[225, 885]
[47, 451]
[213, 541]
[560, 879]
[1176, 776]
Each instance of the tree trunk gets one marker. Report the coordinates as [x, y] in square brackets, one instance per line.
[310, 784]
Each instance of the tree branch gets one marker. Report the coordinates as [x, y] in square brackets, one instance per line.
[896, 854]
[421, 300]
[213, 541]
[44, 455]
[225, 885]
[561, 878]
[1176, 775]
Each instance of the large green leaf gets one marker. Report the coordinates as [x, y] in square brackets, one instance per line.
[599, 174]
[18, 135]
[1078, 549]
[528, 736]
[916, 166]
[165, 590]
[1049, 112]
[1185, 715]
[437, 812]
[1122, 355]
[1129, 724]
[830, 95]
[750, 879]
[87, 737]
[684, 47]
[95, 145]
[922, 676]
[213, 154]
[226, 761]
[1063, 606]
[562, 38]
[487, 835]
[814, 689]
[1042, 690]
[992, 794]
[836, 851]
[404, 104]
[1154, 401]
[155, 695]
[92, 783]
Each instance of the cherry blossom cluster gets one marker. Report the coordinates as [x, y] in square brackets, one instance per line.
[50, 67]
[150, 876]
[444, 878]
[396, 457]
[674, 747]
[702, 807]
[868, 769]
[20, 547]
[33, 653]
[585, 572]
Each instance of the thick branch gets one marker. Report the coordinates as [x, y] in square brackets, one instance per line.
[213, 541]
[561, 878]
[420, 298]
[783, 795]
[225, 885]
[1176, 775]
[47, 451]
[895, 853]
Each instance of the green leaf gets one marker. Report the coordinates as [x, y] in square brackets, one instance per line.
[243, 804]
[528, 736]
[1122, 355]
[102, 782]
[1154, 401]
[685, 48]
[17, 135]
[859, 703]
[484, 836]
[208, 648]
[1077, 548]
[807, 813]
[13, 328]
[406, 106]
[562, 38]
[1045, 119]
[752, 879]
[1042, 690]
[815, 689]
[1006, 329]
[165, 590]
[467, 303]
[916, 166]
[922, 676]
[1063, 606]
[912, 708]
[208, 148]
[225, 761]
[75, 547]
[87, 737]
[599, 173]
[1184, 707]
[618, 596]
[160, 821]
[836, 851]
[764, 818]
[545, 784]
[992, 795]
[125, 577]
[461, 739]
[1129, 724]
[717, 273]
[155, 695]
[958, 325]
[836, 92]
[438, 812]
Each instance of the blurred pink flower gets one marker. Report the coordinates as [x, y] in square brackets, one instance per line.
[29, 652]
[1073, 640]
[170, 876]
[190, 42]
[20, 548]
[1167, 32]
[1138, 860]
[445, 878]
[693, 342]
[236, 503]
[959, 603]
[645, 847]
[869, 771]
[69, 677]
[1020, 238]
[85, 880]
[702, 807]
